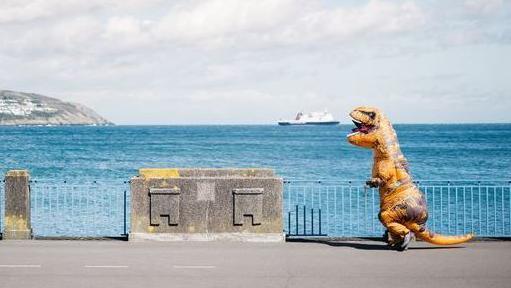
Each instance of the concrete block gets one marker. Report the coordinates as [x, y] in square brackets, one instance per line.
[206, 204]
[17, 224]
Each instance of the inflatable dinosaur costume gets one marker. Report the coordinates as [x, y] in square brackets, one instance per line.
[402, 205]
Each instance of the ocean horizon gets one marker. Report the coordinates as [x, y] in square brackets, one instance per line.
[103, 153]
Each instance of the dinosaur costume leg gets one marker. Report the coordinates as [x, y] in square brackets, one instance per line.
[396, 230]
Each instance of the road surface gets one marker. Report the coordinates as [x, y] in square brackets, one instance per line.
[334, 264]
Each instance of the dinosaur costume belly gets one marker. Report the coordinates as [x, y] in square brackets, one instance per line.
[398, 211]
[403, 207]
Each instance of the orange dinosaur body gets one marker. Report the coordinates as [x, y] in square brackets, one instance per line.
[403, 207]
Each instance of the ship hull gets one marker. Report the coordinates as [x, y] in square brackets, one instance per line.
[285, 123]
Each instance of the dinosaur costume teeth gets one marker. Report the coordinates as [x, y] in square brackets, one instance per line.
[403, 208]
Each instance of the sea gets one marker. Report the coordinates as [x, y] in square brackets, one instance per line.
[76, 153]
[304, 156]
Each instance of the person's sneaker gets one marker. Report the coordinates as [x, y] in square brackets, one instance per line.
[406, 241]
[395, 244]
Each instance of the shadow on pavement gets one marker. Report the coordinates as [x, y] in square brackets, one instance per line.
[364, 245]
[105, 238]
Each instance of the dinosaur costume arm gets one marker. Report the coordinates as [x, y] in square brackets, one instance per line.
[374, 182]
[384, 171]
[403, 207]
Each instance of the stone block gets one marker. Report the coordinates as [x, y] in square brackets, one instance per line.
[17, 225]
[207, 204]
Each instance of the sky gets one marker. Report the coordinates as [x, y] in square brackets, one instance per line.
[257, 61]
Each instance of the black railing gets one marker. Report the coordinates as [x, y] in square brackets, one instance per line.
[301, 226]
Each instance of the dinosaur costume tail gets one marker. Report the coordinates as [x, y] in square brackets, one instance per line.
[438, 239]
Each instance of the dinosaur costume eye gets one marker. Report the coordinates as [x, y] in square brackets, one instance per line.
[372, 115]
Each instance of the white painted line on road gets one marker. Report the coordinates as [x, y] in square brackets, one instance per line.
[20, 266]
[194, 267]
[106, 266]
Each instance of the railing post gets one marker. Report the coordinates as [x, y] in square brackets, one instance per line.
[296, 219]
[17, 224]
[124, 214]
[312, 221]
[449, 206]
[509, 183]
[304, 221]
[319, 221]
[289, 223]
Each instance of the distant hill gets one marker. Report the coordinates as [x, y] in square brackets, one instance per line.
[18, 108]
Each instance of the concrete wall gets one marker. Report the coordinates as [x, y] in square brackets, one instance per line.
[206, 204]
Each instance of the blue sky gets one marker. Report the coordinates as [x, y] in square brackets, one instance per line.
[241, 61]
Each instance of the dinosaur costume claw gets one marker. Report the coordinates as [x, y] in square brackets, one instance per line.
[403, 208]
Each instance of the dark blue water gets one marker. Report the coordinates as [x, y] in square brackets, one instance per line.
[481, 151]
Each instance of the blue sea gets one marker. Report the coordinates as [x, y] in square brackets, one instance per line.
[461, 151]
[102, 159]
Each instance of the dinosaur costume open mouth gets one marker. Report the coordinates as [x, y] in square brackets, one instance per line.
[361, 127]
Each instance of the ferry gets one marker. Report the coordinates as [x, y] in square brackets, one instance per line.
[312, 118]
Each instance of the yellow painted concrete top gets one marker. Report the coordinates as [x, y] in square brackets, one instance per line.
[159, 172]
[17, 173]
[16, 223]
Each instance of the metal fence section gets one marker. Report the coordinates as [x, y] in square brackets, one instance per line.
[305, 222]
[86, 209]
[2, 206]
[350, 209]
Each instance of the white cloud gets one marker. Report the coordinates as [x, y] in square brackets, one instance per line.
[483, 6]
[127, 31]
[220, 18]
[223, 24]
[187, 59]
[26, 10]
[269, 22]
[347, 23]
[75, 33]
[19, 11]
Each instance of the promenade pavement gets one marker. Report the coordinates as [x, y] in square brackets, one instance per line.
[212, 264]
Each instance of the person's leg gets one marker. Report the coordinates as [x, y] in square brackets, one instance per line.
[400, 236]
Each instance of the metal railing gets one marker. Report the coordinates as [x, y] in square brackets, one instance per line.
[2, 206]
[311, 208]
[302, 228]
[86, 209]
[350, 209]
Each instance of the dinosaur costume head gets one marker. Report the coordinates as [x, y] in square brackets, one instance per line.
[403, 208]
[374, 131]
[371, 127]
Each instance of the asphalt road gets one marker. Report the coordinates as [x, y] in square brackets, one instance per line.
[342, 264]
